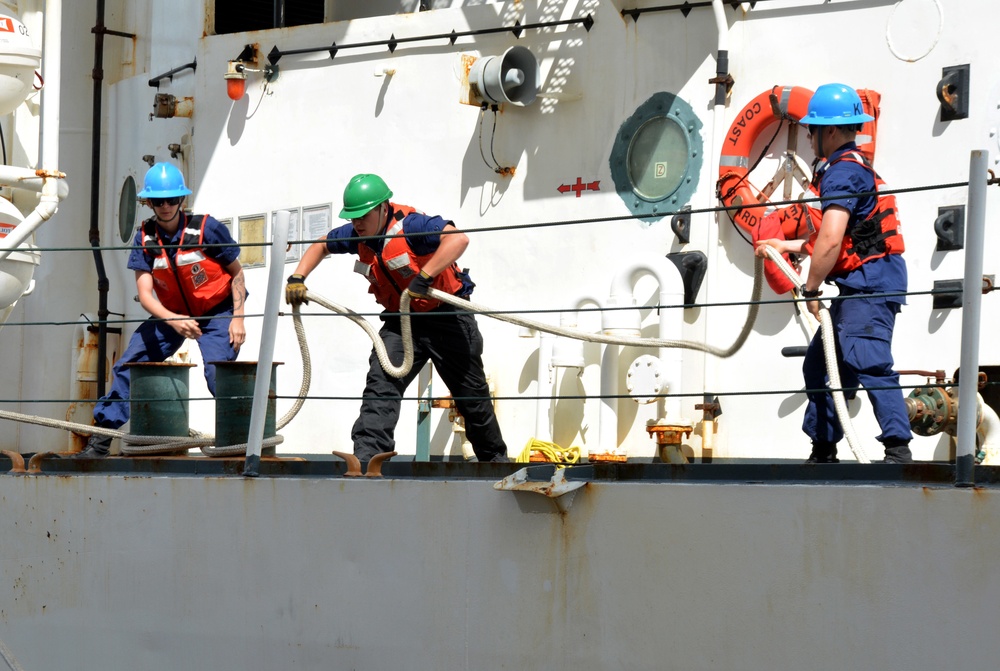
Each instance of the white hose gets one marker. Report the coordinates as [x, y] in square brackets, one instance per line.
[988, 434]
[136, 444]
[830, 352]
[632, 341]
[380, 351]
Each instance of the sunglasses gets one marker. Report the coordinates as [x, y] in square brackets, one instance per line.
[159, 202]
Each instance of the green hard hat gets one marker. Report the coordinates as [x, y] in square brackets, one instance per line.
[362, 195]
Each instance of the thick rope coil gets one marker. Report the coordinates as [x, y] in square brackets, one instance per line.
[141, 445]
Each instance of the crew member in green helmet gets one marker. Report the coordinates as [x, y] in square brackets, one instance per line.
[405, 250]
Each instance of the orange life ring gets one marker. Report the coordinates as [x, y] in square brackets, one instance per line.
[797, 220]
[780, 102]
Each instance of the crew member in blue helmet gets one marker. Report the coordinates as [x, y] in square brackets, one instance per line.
[405, 250]
[193, 290]
[858, 248]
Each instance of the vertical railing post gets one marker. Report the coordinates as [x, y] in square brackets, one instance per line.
[972, 295]
[424, 413]
[272, 302]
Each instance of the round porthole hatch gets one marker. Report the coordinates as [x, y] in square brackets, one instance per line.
[657, 157]
[127, 206]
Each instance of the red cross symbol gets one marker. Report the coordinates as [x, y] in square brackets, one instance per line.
[580, 187]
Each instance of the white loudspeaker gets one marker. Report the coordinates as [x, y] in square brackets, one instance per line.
[510, 78]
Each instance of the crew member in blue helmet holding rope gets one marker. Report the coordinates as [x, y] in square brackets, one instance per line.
[405, 250]
[858, 248]
[189, 278]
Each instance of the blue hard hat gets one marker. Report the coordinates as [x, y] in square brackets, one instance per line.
[163, 180]
[835, 105]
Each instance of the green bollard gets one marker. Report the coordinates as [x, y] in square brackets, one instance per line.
[234, 387]
[158, 398]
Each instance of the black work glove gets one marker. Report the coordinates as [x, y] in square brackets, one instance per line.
[295, 290]
[420, 284]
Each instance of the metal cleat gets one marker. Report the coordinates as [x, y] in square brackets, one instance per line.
[354, 464]
[375, 464]
[16, 461]
[35, 463]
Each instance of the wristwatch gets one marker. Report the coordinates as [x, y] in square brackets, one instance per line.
[815, 293]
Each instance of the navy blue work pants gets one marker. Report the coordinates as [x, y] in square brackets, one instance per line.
[155, 341]
[863, 328]
[452, 341]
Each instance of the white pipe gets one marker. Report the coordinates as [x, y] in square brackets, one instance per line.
[671, 287]
[607, 431]
[989, 433]
[622, 293]
[710, 367]
[52, 57]
[47, 206]
[671, 293]
[77, 376]
[48, 181]
[272, 303]
[543, 406]
[568, 352]
[719, 13]
[972, 297]
[30, 179]
[570, 320]
[614, 322]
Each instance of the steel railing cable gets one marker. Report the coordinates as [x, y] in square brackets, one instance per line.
[407, 337]
[86, 428]
[826, 326]
[379, 345]
[602, 309]
[151, 444]
[991, 180]
[158, 444]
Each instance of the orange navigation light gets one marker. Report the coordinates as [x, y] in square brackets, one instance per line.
[236, 80]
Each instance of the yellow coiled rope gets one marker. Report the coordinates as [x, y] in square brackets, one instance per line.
[561, 456]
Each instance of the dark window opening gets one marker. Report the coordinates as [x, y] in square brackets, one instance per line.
[237, 16]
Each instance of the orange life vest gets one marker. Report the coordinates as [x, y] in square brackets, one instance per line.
[872, 238]
[392, 270]
[193, 283]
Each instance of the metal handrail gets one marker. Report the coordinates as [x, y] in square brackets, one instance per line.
[276, 54]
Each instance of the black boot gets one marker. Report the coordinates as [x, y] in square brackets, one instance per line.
[98, 447]
[897, 452]
[823, 453]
